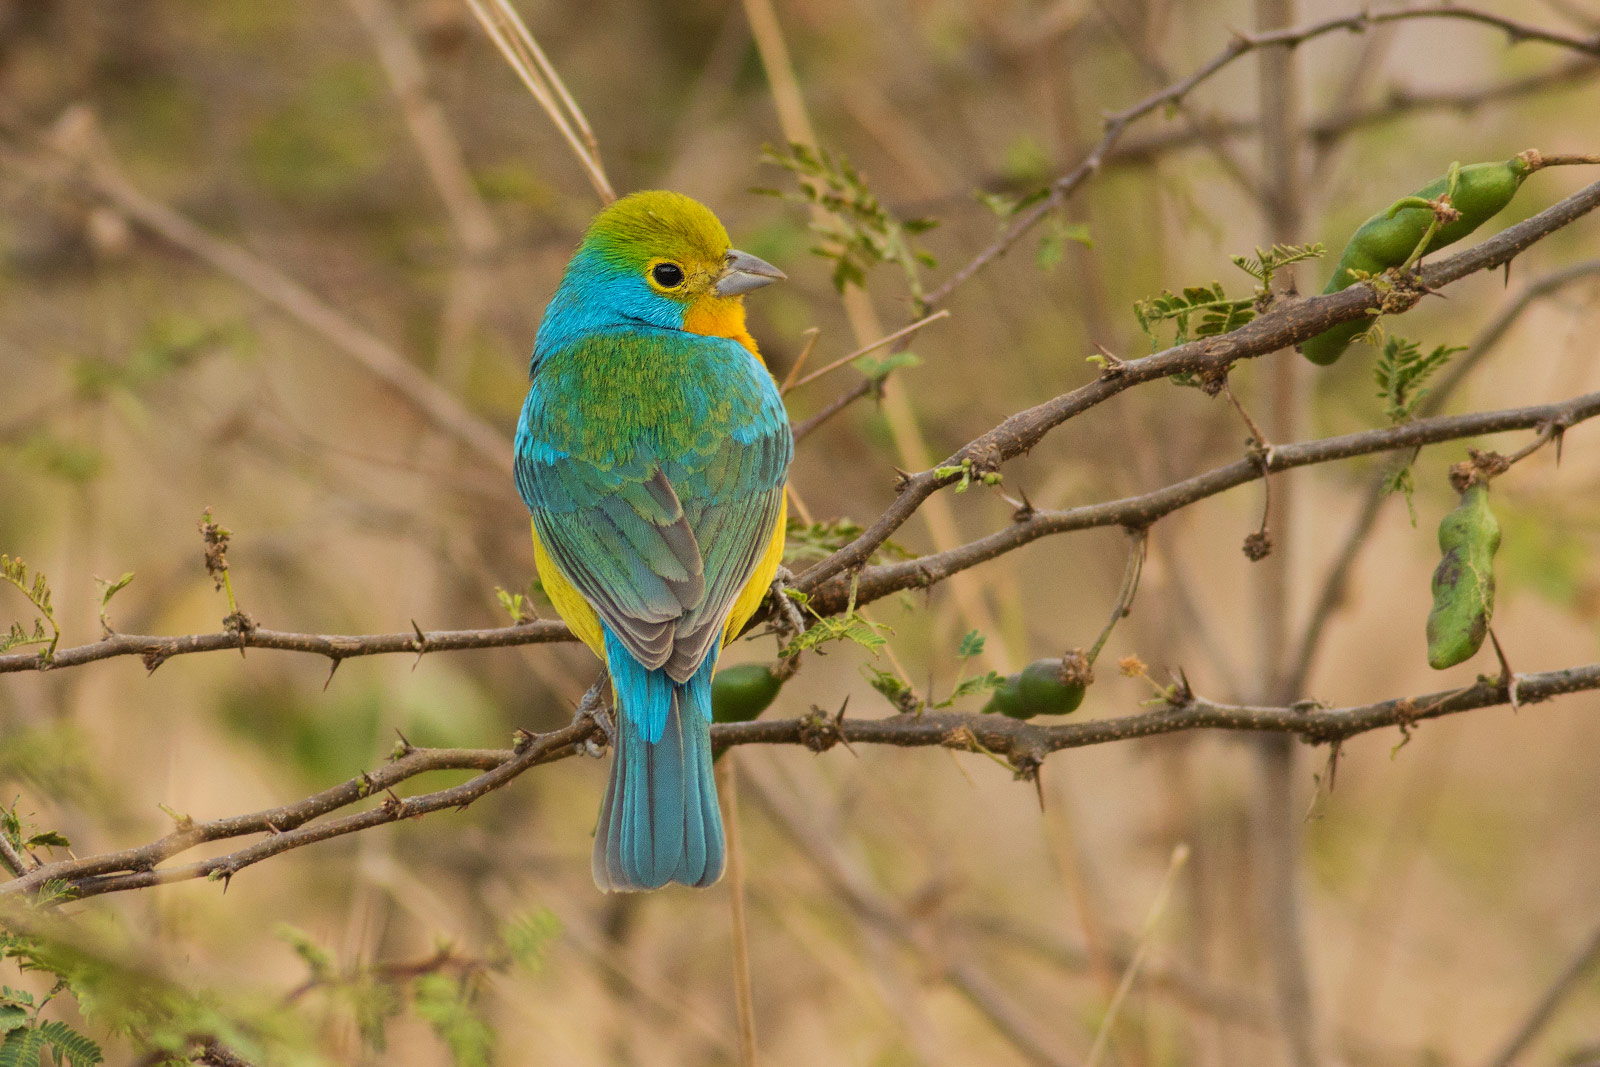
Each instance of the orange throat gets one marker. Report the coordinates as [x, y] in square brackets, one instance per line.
[720, 316]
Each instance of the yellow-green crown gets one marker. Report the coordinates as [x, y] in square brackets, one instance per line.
[656, 223]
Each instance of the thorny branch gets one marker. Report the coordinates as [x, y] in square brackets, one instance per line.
[872, 582]
[1117, 123]
[156, 650]
[1331, 591]
[1288, 323]
[1024, 744]
[1399, 102]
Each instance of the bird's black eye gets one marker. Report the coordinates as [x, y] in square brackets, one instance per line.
[667, 275]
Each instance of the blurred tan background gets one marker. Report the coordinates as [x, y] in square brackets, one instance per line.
[1446, 881]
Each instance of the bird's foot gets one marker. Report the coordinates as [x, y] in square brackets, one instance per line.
[787, 610]
[593, 707]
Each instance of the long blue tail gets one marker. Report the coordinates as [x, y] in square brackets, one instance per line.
[659, 821]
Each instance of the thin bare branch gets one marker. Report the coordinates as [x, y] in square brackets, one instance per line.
[1399, 102]
[872, 582]
[743, 993]
[880, 580]
[1118, 122]
[1021, 742]
[888, 339]
[510, 35]
[93, 172]
[12, 858]
[1130, 974]
[156, 650]
[859, 890]
[436, 143]
[1288, 323]
[1332, 589]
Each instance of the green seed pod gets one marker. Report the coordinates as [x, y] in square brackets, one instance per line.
[1463, 584]
[1038, 689]
[1007, 700]
[1388, 238]
[741, 693]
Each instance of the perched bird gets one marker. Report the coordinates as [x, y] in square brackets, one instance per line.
[652, 452]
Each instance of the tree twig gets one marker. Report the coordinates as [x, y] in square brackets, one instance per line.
[1118, 122]
[1130, 974]
[888, 339]
[882, 579]
[743, 993]
[293, 826]
[1331, 590]
[98, 176]
[872, 582]
[1399, 102]
[1288, 324]
[858, 890]
[445, 161]
[12, 858]
[1138, 545]
[510, 35]
[156, 650]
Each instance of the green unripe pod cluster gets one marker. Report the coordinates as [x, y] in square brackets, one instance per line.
[1043, 687]
[1389, 238]
[1463, 583]
[739, 694]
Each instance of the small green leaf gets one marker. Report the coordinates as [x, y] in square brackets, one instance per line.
[67, 1044]
[54, 891]
[15, 571]
[858, 234]
[518, 605]
[446, 1005]
[971, 644]
[316, 958]
[1265, 264]
[48, 839]
[1401, 372]
[851, 627]
[109, 590]
[815, 541]
[1216, 312]
[374, 1002]
[529, 937]
[21, 1048]
[875, 368]
[894, 689]
[1003, 205]
[1399, 480]
[1053, 241]
[967, 686]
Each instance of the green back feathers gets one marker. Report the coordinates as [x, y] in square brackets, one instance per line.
[657, 224]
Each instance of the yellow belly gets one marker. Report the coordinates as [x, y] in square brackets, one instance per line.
[577, 614]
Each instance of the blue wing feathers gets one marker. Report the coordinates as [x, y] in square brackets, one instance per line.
[658, 523]
[647, 528]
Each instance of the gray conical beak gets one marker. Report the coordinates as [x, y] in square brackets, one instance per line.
[745, 272]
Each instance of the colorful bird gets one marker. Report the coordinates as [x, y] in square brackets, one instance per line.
[652, 452]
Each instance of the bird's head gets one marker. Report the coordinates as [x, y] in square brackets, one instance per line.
[655, 259]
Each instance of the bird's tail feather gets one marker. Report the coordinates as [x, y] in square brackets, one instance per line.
[660, 821]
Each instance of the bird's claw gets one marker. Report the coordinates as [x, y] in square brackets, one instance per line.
[593, 708]
[787, 610]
